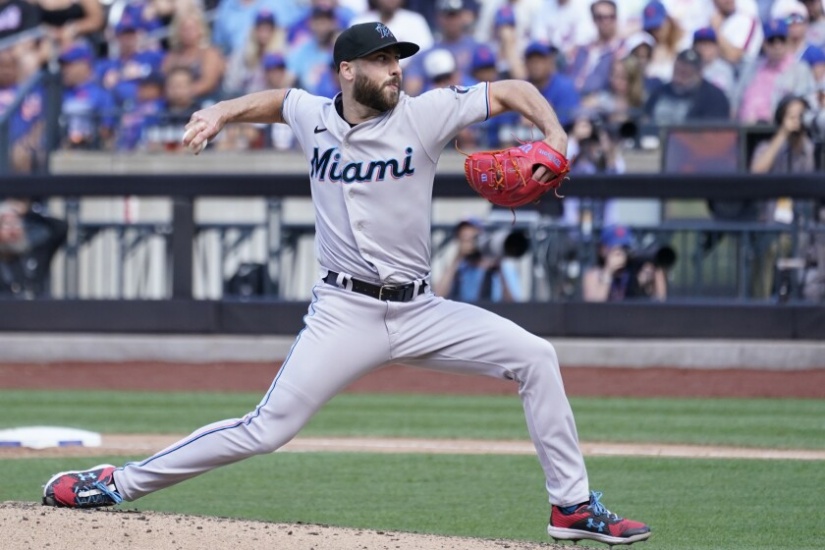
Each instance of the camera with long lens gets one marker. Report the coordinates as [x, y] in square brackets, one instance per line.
[660, 255]
[499, 244]
[627, 129]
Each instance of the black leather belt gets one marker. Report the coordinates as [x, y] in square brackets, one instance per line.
[389, 293]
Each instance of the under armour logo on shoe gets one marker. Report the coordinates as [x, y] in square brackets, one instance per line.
[592, 525]
[86, 476]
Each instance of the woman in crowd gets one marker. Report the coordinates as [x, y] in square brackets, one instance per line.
[191, 47]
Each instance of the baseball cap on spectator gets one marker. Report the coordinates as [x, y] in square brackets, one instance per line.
[273, 61]
[77, 52]
[127, 23]
[323, 10]
[152, 77]
[654, 15]
[775, 28]
[789, 9]
[451, 5]
[539, 48]
[439, 63]
[691, 57]
[265, 17]
[813, 55]
[705, 34]
[637, 39]
[616, 235]
[483, 57]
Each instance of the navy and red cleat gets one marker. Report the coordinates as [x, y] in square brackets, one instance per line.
[593, 521]
[82, 488]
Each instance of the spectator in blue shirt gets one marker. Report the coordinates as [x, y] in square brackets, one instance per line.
[453, 21]
[121, 75]
[234, 18]
[473, 276]
[299, 32]
[88, 109]
[26, 124]
[590, 65]
[312, 60]
[141, 113]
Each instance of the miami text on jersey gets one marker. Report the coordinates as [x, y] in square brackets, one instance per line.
[360, 171]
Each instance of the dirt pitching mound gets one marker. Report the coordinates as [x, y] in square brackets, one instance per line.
[28, 525]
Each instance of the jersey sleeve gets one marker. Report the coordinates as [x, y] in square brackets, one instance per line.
[438, 115]
[300, 112]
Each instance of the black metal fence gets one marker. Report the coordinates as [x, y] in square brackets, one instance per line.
[694, 308]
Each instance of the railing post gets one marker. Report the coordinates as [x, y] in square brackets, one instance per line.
[183, 239]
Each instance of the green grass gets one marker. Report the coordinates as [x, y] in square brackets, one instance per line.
[690, 504]
[773, 423]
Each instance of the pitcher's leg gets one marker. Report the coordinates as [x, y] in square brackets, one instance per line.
[331, 352]
[462, 338]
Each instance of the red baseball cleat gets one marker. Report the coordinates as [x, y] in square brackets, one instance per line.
[82, 488]
[595, 522]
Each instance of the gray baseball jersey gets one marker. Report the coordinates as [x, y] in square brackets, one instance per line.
[372, 189]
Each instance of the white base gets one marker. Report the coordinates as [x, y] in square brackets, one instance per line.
[42, 437]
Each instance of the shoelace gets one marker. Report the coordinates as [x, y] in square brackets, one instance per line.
[103, 488]
[599, 508]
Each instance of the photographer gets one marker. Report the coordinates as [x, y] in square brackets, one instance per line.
[28, 242]
[475, 275]
[620, 274]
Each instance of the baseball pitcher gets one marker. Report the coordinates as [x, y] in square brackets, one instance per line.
[371, 154]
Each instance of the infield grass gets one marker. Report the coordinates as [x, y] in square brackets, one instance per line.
[771, 423]
[690, 504]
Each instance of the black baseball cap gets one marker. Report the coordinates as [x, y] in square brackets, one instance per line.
[365, 38]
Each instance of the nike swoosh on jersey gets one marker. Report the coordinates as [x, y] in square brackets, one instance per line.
[318, 130]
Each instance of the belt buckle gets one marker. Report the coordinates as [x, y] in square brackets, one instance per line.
[381, 291]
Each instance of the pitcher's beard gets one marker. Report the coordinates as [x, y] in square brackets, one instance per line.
[374, 96]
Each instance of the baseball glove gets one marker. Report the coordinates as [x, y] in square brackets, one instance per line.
[505, 177]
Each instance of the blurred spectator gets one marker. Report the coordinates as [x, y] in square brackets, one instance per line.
[475, 274]
[789, 151]
[281, 136]
[692, 14]
[816, 22]
[815, 58]
[17, 16]
[511, 29]
[72, 19]
[541, 61]
[688, 97]
[300, 31]
[311, 61]
[28, 242]
[715, 70]
[566, 23]
[121, 74]
[88, 110]
[590, 65]
[150, 15]
[406, 25]
[484, 65]
[26, 123]
[738, 33]
[165, 131]
[639, 46]
[669, 38]
[795, 16]
[558, 89]
[454, 21]
[191, 47]
[142, 112]
[618, 276]
[244, 71]
[234, 18]
[440, 69]
[776, 74]
[624, 100]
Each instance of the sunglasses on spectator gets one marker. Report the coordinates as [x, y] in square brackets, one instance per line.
[796, 18]
[604, 16]
[775, 40]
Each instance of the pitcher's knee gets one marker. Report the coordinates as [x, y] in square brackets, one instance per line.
[276, 430]
[537, 359]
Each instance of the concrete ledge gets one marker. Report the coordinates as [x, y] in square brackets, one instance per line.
[700, 354]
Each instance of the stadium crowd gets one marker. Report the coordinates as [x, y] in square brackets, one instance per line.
[134, 70]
